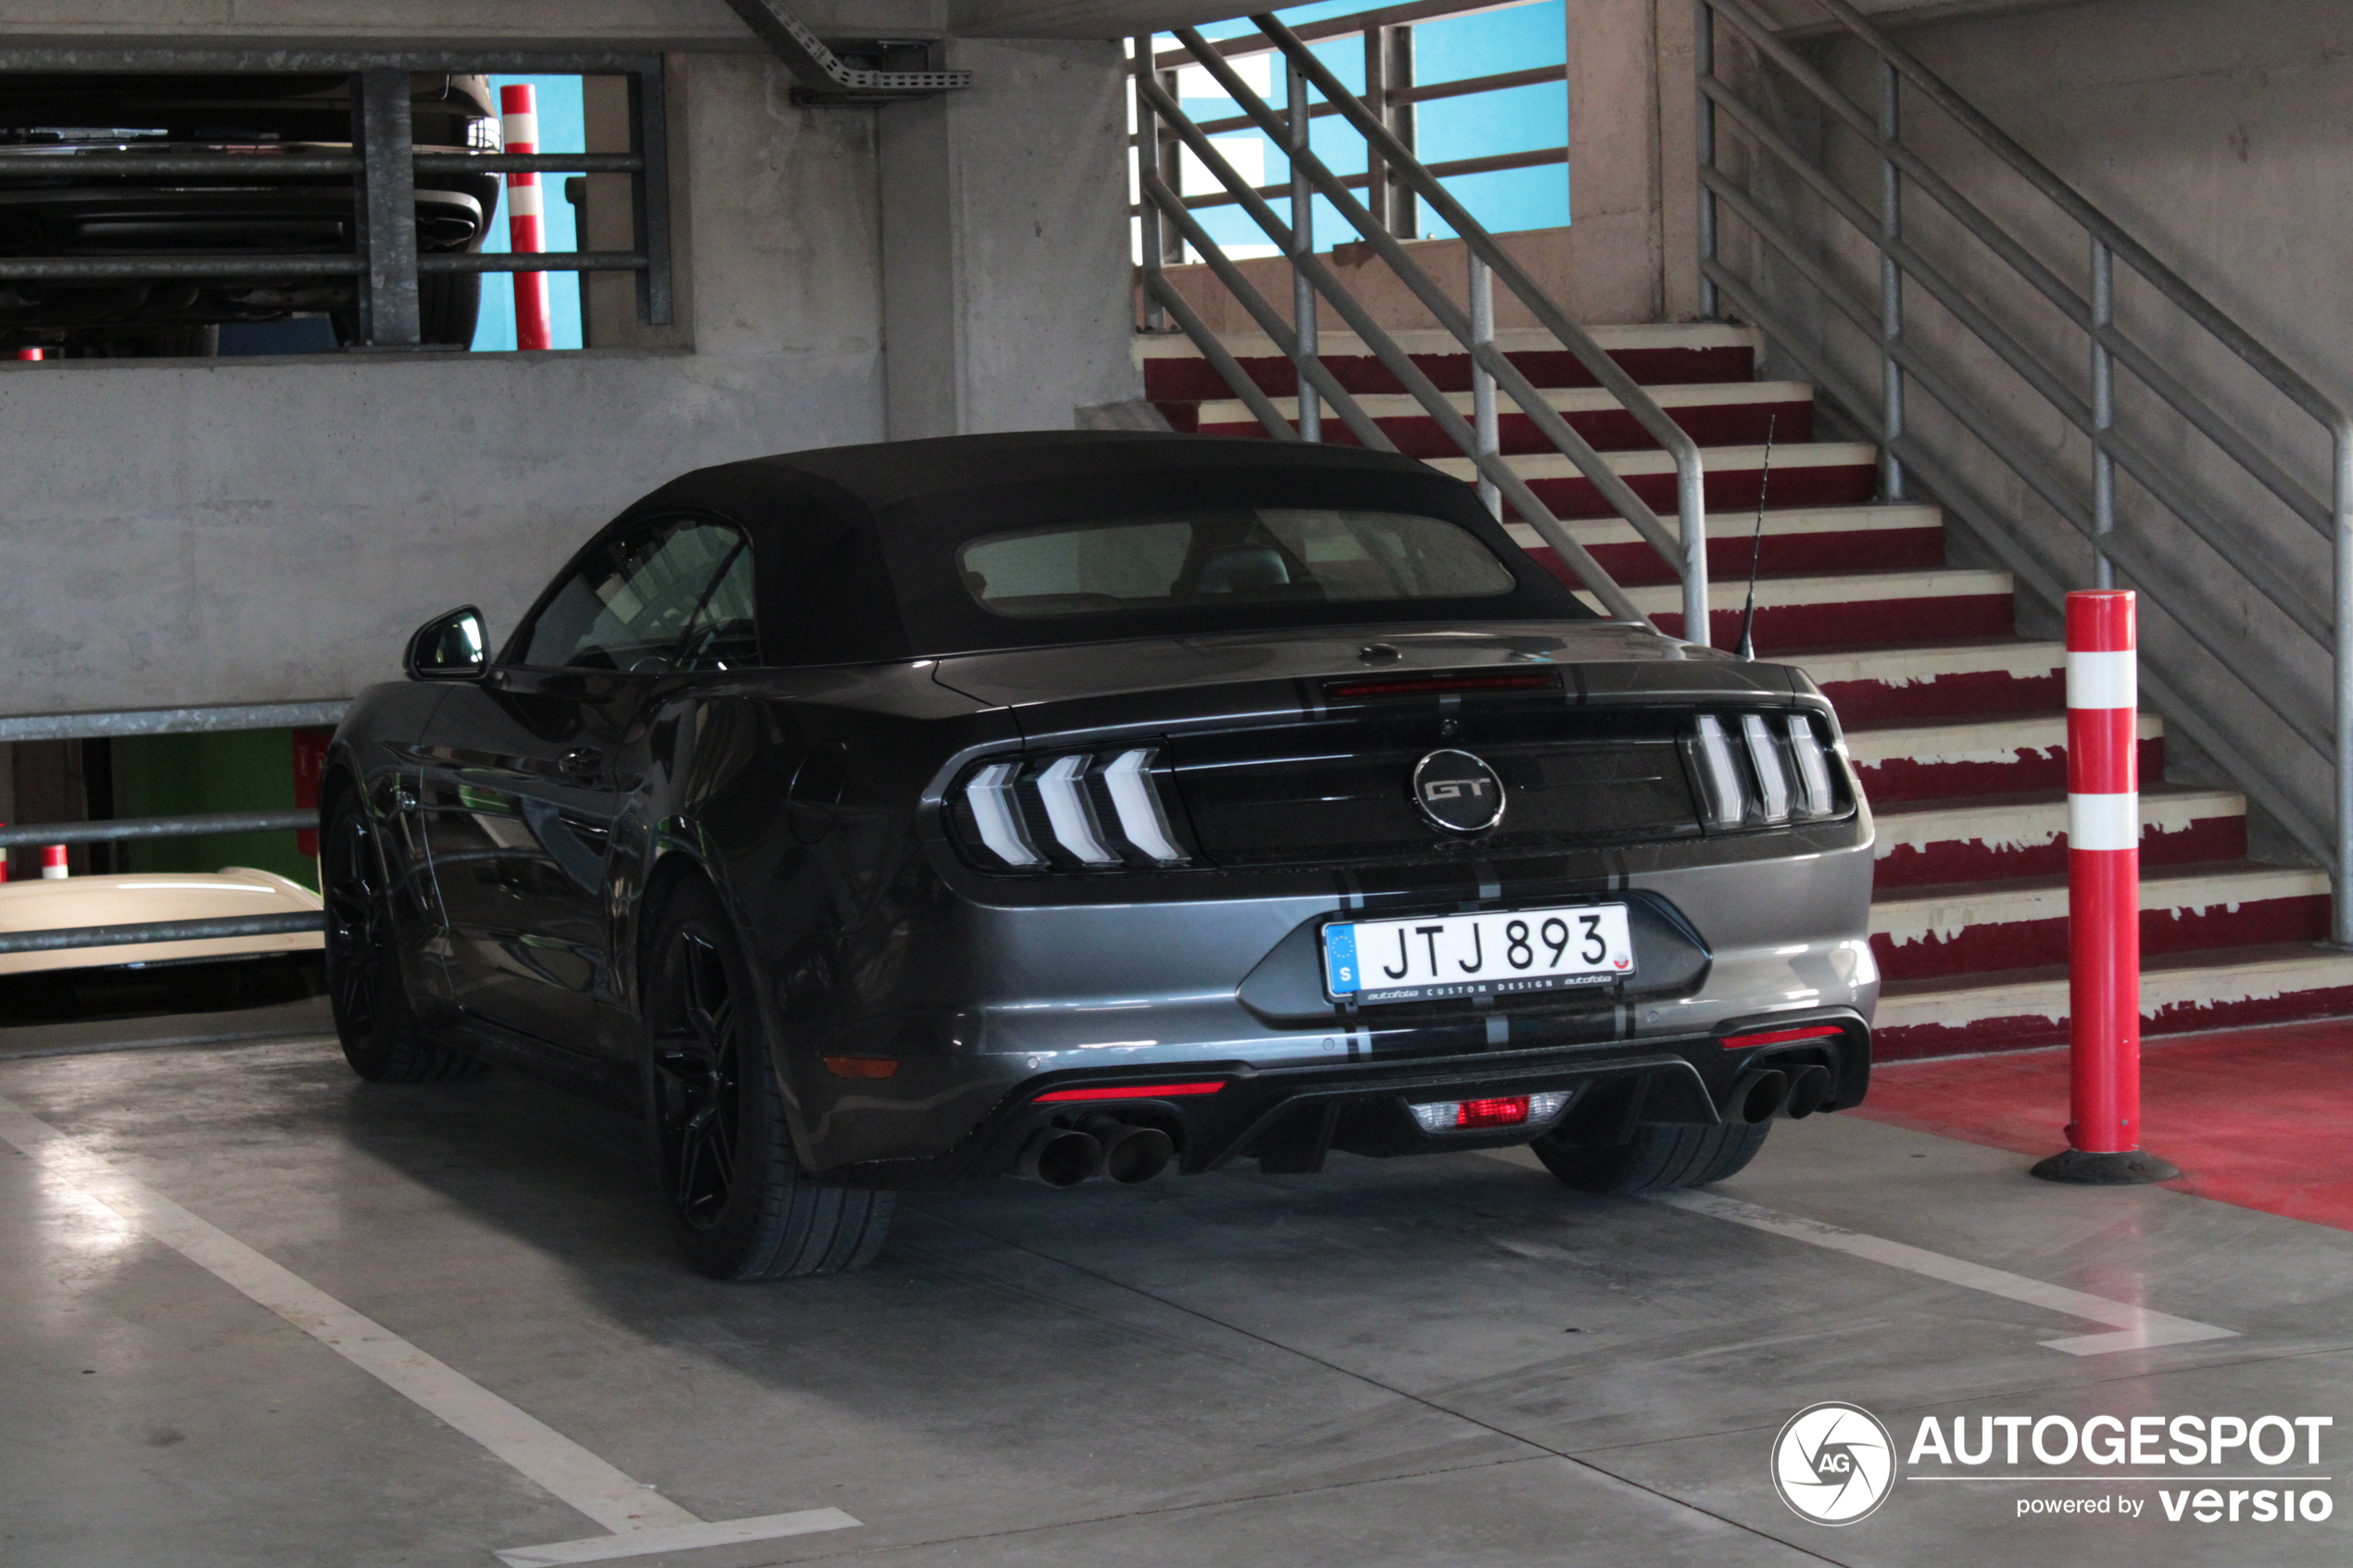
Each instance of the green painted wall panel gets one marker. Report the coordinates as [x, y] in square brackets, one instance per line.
[229, 770]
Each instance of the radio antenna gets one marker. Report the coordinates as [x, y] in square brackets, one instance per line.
[1756, 545]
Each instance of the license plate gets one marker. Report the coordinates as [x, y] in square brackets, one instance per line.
[1438, 956]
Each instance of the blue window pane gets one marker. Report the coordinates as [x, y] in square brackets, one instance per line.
[1478, 125]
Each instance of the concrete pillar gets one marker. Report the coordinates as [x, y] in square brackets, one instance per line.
[1614, 149]
[1632, 184]
[1678, 161]
[1004, 243]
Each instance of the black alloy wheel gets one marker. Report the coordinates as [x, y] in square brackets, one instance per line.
[382, 1037]
[739, 1203]
[696, 1085]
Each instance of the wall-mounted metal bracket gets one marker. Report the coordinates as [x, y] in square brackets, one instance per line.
[839, 74]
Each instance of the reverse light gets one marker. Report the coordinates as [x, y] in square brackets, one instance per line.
[1760, 770]
[1079, 811]
[1470, 1115]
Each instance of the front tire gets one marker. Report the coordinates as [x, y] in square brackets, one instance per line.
[1658, 1158]
[738, 1202]
[382, 1039]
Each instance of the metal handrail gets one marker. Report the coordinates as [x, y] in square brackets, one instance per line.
[2017, 556]
[249, 167]
[120, 829]
[220, 928]
[2331, 625]
[1492, 366]
[1491, 464]
[1311, 367]
[1690, 501]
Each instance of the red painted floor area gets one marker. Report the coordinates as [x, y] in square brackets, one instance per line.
[2262, 1118]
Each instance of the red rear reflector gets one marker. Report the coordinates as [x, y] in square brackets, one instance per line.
[1509, 1112]
[1436, 686]
[860, 1066]
[1781, 1037]
[1136, 1091]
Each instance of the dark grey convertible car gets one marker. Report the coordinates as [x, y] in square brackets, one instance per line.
[1079, 804]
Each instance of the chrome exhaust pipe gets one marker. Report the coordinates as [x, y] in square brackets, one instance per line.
[1759, 1093]
[1061, 1157]
[1131, 1154]
[1807, 1090]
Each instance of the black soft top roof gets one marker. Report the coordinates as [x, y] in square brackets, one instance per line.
[855, 546]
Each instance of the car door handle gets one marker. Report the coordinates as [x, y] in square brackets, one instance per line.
[581, 761]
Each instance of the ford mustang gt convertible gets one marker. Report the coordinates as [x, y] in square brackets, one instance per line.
[1087, 804]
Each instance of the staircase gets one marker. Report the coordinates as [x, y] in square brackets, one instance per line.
[1956, 724]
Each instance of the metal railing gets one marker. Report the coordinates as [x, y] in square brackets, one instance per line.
[2088, 502]
[161, 721]
[59, 938]
[1163, 127]
[383, 169]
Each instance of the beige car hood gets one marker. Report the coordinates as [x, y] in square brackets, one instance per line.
[141, 897]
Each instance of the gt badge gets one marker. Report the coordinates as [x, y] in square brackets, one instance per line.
[1457, 792]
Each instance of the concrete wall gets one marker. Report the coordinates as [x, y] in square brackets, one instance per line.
[1005, 242]
[264, 530]
[2219, 136]
[246, 530]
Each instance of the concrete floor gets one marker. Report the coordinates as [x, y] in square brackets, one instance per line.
[1439, 1361]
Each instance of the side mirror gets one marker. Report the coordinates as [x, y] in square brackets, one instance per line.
[451, 646]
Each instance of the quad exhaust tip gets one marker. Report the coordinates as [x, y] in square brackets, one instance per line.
[1807, 1090]
[1061, 1157]
[1131, 1154]
[1759, 1096]
[1064, 1156]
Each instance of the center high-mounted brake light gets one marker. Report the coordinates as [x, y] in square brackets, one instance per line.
[1761, 770]
[1443, 685]
[1081, 811]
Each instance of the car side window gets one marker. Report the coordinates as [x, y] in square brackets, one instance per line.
[627, 606]
[725, 632]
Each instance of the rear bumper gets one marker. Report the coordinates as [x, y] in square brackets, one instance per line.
[1288, 1118]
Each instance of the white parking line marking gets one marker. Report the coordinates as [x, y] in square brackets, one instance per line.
[646, 1543]
[635, 1512]
[2136, 1328]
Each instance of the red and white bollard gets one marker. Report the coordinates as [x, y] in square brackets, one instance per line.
[2104, 898]
[526, 225]
[53, 863]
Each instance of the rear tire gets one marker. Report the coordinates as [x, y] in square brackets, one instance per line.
[382, 1039]
[738, 1202]
[1658, 1158]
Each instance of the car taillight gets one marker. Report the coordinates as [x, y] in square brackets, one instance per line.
[1761, 770]
[1087, 810]
[1508, 1110]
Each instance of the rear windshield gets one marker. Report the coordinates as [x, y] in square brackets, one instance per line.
[1227, 557]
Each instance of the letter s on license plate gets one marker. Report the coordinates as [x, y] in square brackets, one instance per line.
[1438, 956]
